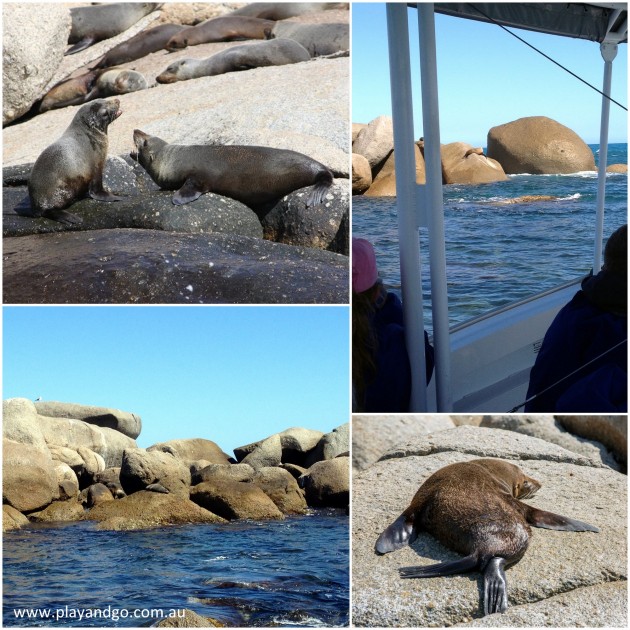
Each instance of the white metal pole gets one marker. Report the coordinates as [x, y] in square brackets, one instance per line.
[408, 237]
[435, 206]
[609, 52]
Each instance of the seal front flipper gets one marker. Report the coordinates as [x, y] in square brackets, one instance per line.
[98, 193]
[64, 217]
[190, 191]
[400, 533]
[469, 563]
[494, 587]
[86, 42]
[549, 520]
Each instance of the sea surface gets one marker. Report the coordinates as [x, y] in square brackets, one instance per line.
[290, 573]
[498, 253]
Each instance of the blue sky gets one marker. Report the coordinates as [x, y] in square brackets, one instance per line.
[228, 374]
[486, 77]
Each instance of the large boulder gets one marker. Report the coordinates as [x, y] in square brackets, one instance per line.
[98, 493]
[129, 424]
[267, 453]
[218, 472]
[296, 446]
[85, 463]
[59, 511]
[327, 483]
[34, 39]
[361, 174]
[141, 468]
[67, 482]
[144, 510]
[235, 500]
[74, 434]
[376, 141]
[282, 488]
[29, 479]
[384, 184]
[554, 563]
[19, 422]
[331, 445]
[461, 164]
[191, 450]
[539, 145]
[12, 518]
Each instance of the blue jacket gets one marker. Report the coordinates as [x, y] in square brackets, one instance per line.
[594, 321]
[390, 390]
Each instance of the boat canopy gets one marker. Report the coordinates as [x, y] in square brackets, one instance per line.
[595, 22]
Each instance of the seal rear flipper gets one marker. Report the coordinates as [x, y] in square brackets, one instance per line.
[400, 533]
[190, 191]
[494, 587]
[549, 520]
[322, 185]
[64, 217]
[82, 44]
[469, 563]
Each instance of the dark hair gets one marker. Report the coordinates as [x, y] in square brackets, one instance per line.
[616, 251]
[364, 344]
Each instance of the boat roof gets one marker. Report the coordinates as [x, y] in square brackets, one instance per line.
[594, 22]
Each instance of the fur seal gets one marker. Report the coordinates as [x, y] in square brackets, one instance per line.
[91, 85]
[140, 45]
[72, 166]
[221, 29]
[283, 10]
[477, 151]
[252, 175]
[157, 487]
[318, 39]
[277, 52]
[473, 508]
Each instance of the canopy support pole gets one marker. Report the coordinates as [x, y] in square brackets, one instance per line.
[435, 205]
[408, 237]
[609, 52]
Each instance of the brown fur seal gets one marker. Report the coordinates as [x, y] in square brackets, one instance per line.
[477, 151]
[72, 166]
[252, 175]
[473, 508]
[92, 85]
[283, 10]
[140, 45]
[221, 29]
[92, 24]
[277, 52]
[318, 39]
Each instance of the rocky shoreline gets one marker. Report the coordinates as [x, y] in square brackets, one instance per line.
[65, 462]
[535, 145]
[303, 250]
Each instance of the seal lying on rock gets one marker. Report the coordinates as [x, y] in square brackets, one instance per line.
[140, 45]
[473, 508]
[252, 175]
[93, 24]
[221, 29]
[283, 10]
[279, 52]
[318, 39]
[72, 166]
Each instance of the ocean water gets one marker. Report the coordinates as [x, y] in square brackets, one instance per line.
[290, 573]
[497, 253]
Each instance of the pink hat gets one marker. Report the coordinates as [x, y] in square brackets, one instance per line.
[364, 272]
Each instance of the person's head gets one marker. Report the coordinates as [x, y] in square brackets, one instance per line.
[616, 251]
[364, 270]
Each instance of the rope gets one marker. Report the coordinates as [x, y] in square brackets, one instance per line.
[612, 100]
[564, 378]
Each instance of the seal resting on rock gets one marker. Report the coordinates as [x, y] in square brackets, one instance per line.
[252, 175]
[221, 29]
[283, 10]
[93, 24]
[473, 508]
[72, 166]
[318, 39]
[275, 52]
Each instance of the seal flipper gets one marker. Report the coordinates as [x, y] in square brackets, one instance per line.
[323, 183]
[65, 218]
[469, 563]
[549, 520]
[494, 587]
[400, 533]
[82, 44]
[188, 192]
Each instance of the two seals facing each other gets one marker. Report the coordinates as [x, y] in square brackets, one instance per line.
[73, 166]
[473, 508]
[255, 176]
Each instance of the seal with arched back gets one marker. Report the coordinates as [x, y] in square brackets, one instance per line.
[255, 176]
[473, 508]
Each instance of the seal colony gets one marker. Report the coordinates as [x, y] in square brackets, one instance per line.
[474, 509]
